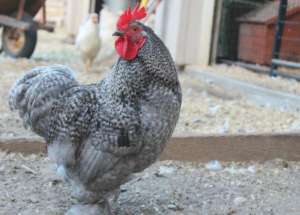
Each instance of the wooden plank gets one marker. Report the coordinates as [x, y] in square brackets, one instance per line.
[234, 148]
[23, 145]
[291, 74]
[254, 93]
[216, 31]
[256, 147]
[12, 22]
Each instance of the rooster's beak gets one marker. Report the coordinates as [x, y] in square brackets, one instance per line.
[118, 34]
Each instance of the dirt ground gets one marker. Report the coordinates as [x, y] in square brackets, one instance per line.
[206, 109]
[29, 186]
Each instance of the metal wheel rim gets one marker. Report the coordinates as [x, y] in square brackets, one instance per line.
[14, 39]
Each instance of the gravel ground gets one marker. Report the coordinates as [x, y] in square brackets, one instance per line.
[209, 109]
[29, 186]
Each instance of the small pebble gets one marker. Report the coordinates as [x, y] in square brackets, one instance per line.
[165, 171]
[175, 207]
[252, 169]
[214, 166]
[239, 200]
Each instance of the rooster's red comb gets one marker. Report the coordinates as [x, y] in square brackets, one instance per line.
[129, 16]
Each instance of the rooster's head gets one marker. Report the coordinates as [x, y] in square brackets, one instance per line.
[131, 36]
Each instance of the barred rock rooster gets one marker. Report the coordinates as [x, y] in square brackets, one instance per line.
[100, 134]
[88, 40]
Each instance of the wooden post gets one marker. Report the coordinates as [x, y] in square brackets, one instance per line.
[21, 9]
[44, 12]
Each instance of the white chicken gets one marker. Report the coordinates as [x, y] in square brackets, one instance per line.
[88, 41]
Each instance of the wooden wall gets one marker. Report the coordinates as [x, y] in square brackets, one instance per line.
[253, 43]
[186, 28]
[56, 10]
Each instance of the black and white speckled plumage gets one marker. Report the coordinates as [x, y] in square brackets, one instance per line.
[99, 134]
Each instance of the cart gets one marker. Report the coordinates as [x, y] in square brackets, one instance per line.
[19, 33]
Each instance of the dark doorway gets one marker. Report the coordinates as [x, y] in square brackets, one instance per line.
[229, 26]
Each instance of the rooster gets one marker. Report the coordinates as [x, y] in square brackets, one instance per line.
[100, 134]
[88, 41]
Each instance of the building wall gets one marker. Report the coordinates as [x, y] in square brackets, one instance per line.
[76, 12]
[186, 27]
[56, 10]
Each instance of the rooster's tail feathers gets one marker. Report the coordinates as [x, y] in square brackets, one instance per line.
[34, 94]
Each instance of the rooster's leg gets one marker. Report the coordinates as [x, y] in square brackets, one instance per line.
[116, 195]
[108, 207]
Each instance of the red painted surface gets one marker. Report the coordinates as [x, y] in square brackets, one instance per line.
[256, 41]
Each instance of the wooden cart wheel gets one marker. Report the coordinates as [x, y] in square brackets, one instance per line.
[19, 43]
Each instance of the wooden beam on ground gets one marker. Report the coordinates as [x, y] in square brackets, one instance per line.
[252, 92]
[23, 145]
[290, 74]
[260, 147]
[234, 148]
